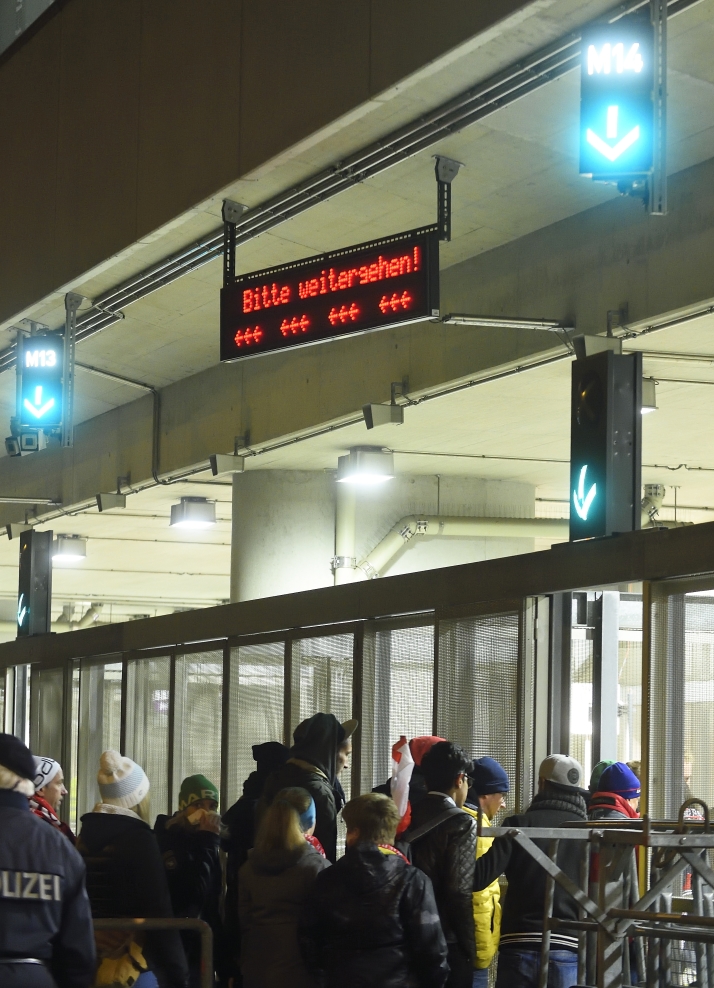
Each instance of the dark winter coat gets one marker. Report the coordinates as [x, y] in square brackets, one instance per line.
[312, 766]
[195, 877]
[373, 921]
[417, 787]
[273, 892]
[522, 919]
[44, 911]
[126, 877]
[447, 854]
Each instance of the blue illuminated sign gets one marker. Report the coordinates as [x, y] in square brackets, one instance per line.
[616, 99]
[40, 360]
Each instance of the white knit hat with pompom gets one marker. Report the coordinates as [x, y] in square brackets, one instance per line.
[121, 781]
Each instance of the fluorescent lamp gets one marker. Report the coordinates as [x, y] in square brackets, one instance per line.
[365, 465]
[69, 549]
[649, 395]
[193, 512]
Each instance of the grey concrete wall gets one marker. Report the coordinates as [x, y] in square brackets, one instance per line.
[283, 528]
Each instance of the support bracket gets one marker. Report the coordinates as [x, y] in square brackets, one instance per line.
[231, 212]
[446, 170]
[72, 302]
[657, 199]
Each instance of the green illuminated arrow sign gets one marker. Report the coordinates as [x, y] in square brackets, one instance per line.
[38, 409]
[581, 501]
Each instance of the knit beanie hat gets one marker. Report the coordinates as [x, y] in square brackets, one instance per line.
[121, 781]
[45, 771]
[489, 776]
[18, 763]
[620, 779]
[597, 772]
[196, 787]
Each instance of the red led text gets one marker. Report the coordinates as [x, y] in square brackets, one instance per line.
[265, 296]
[344, 314]
[396, 302]
[333, 280]
[294, 325]
[244, 337]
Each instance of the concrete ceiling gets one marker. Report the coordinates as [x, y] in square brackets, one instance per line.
[521, 174]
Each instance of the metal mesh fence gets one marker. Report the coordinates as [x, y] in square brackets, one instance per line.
[581, 699]
[147, 725]
[256, 708]
[322, 681]
[478, 687]
[100, 720]
[397, 693]
[198, 717]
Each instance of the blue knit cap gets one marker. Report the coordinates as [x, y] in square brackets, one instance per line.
[489, 776]
[308, 817]
[620, 779]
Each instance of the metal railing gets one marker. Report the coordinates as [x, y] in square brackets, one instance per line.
[605, 927]
[201, 927]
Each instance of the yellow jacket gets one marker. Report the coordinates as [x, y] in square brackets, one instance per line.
[487, 906]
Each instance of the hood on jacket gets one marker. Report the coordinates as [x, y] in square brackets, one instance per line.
[365, 868]
[613, 805]
[276, 862]
[563, 799]
[316, 742]
[100, 828]
[268, 757]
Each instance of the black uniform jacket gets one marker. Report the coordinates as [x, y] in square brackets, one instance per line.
[447, 855]
[373, 921]
[522, 920]
[126, 877]
[44, 910]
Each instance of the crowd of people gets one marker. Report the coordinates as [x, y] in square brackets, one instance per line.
[415, 901]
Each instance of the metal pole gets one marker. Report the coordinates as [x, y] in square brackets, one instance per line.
[71, 304]
[547, 916]
[699, 948]
[583, 937]
[658, 190]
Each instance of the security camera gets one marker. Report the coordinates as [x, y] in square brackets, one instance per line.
[12, 446]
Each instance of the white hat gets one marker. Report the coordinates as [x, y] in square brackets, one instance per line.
[45, 771]
[121, 781]
[562, 770]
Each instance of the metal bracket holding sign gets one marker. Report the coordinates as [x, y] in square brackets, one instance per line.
[658, 185]
[72, 301]
[231, 212]
[446, 170]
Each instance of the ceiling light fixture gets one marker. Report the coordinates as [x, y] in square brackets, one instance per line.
[366, 466]
[193, 512]
[69, 549]
[649, 395]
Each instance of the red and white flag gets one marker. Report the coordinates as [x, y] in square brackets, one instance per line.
[402, 768]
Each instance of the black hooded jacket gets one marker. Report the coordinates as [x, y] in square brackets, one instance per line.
[373, 921]
[126, 877]
[522, 920]
[313, 766]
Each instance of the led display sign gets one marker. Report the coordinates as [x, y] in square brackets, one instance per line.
[617, 98]
[41, 373]
[370, 286]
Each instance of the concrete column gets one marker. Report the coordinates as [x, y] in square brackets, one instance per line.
[235, 539]
[345, 533]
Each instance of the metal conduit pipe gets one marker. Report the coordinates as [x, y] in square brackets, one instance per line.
[500, 90]
[374, 564]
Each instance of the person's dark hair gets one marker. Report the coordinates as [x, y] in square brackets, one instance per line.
[443, 764]
[375, 816]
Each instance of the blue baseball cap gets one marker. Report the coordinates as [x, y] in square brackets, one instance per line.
[489, 776]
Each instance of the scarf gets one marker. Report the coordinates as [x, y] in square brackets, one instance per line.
[41, 808]
[613, 801]
[314, 842]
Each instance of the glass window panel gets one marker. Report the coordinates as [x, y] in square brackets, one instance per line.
[256, 708]
[46, 699]
[147, 725]
[99, 724]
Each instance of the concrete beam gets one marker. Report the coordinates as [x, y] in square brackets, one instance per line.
[574, 270]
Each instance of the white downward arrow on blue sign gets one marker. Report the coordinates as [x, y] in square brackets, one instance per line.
[38, 409]
[610, 151]
[581, 500]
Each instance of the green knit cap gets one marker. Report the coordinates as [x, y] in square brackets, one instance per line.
[196, 787]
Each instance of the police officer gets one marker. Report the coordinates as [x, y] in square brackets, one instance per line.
[46, 936]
